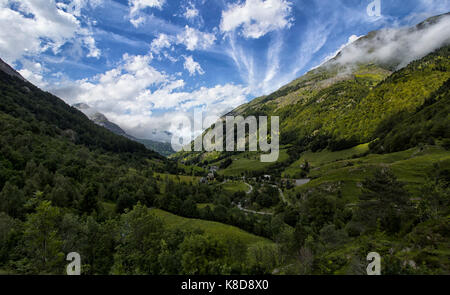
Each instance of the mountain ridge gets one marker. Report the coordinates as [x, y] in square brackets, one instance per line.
[6, 68]
[339, 105]
[162, 148]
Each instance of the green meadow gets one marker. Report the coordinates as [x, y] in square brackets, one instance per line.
[410, 166]
[219, 230]
[250, 162]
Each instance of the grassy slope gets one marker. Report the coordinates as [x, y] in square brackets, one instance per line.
[220, 230]
[235, 186]
[411, 166]
[179, 178]
[250, 162]
[317, 159]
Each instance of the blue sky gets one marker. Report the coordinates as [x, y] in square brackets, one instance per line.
[144, 62]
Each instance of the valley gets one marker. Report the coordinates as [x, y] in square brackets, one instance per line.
[364, 166]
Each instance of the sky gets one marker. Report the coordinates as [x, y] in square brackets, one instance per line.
[143, 63]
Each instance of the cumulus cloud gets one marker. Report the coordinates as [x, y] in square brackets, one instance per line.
[194, 39]
[136, 7]
[159, 43]
[192, 66]
[31, 27]
[142, 99]
[399, 46]
[257, 17]
[34, 72]
[191, 12]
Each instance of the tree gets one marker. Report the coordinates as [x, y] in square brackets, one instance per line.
[42, 241]
[12, 201]
[139, 242]
[202, 255]
[384, 201]
[435, 201]
[318, 211]
[89, 202]
[8, 230]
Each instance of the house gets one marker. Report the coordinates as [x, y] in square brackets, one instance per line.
[210, 176]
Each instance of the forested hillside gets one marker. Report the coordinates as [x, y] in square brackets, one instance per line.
[336, 112]
[69, 185]
[364, 160]
[163, 148]
[364, 166]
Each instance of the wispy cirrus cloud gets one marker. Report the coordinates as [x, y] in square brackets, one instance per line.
[142, 61]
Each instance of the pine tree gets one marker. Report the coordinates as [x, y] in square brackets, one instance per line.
[384, 201]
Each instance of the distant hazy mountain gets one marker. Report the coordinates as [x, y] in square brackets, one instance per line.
[162, 148]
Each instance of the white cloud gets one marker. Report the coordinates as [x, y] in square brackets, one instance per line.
[89, 42]
[193, 39]
[131, 93]
[136, 7]
[159, 43]
[351, 39]
[399, 46]
[33, 72]
[191, 12]
[31, 27]
[192, 66]
[257, 17]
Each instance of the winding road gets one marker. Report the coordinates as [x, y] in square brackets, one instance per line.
[283, 198]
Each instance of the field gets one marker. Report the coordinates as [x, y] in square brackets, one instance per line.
[204, 205]
[346, 175]
[250, 162]
[220, 230]
[178, 178]
[235, 186]
[323, 157]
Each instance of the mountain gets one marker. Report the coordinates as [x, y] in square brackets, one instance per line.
[4, 67]
[364, 167]
[51, 149]
[162, 148]
[101, 120]
[341, 103]
[365, 154]
[79, 187]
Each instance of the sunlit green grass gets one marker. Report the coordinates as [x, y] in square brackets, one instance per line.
[219, 230]
[202, 206]
[250, 162]
[323, 157]
[235, 186]
[179, 178]
[411, 167]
